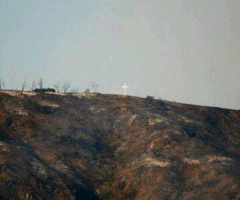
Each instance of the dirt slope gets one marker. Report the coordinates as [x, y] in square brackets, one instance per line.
[67, 147]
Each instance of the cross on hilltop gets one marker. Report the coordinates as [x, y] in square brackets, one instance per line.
[125, 87]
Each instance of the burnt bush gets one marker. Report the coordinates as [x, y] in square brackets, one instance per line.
[44, 90]
[5, 137]
[149, 100]
[131, 194]
[122, 185]
[8, 122]
[190, 129]
[46, 109]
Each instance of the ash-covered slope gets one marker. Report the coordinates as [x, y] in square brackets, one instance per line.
[113, 147]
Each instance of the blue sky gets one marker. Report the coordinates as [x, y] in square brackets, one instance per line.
[187, 51]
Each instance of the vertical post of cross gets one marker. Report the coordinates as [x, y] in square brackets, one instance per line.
[125, 87]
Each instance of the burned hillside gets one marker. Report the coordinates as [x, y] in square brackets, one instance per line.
[59, 146]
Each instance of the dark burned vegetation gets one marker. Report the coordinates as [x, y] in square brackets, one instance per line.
[114, 147]
[44, 90]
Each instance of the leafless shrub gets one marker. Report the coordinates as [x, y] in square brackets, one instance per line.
[87, 91]
[2, 85]
[66, 87]
[95, 87]
[33, 86]
[40, 83]
[149, 100]
[57, 87]
[24, 85]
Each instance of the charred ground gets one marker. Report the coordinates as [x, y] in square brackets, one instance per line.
[56, 146]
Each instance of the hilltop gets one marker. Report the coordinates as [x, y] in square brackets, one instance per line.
[77, 146]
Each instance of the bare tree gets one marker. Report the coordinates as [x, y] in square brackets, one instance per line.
[94, 87]
[87, 91]
[66, 87]
[2, 85]
[24, 85]
[57, 87]
[40, 83]
[34, 86]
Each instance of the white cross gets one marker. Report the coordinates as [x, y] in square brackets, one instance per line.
[125, 87]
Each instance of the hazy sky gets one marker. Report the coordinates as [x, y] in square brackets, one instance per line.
[182, 50]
